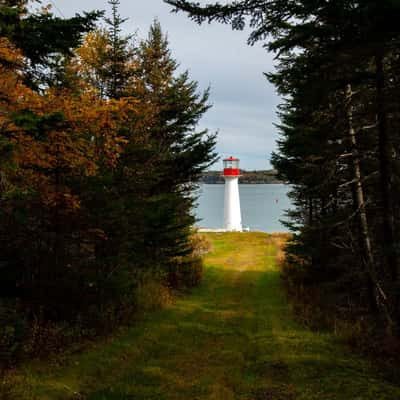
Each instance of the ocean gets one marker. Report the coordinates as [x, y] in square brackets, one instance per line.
[262, 206]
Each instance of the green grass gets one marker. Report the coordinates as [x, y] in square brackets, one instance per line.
[231, 338]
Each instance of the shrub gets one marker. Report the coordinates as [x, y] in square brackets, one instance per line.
[201, 244]
[186, 272]
[50, 339]
[152, 293]
[12, 331]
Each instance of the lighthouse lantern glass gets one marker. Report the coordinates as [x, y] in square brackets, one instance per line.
[231, 164]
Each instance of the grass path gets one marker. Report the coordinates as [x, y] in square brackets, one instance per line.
[232, 338]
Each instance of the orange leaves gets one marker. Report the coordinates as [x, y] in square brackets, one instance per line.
[92, 133]
[65, 202]
[68, 135]
[9, 56]
[90, 61]
[12, 90]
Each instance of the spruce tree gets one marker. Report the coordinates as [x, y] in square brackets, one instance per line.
[119, 54]
[146, 201]
[337, 149]
[43, 38]
[180, 153]
[105, 60]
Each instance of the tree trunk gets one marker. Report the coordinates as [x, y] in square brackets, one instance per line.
[386, 173]
[377, 297]
[386, 182]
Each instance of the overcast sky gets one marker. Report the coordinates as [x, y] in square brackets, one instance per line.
[244, 103]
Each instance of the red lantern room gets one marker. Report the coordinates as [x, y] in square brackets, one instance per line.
[231, 166]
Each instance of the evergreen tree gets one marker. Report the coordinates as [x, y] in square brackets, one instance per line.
[96, 178]
[119, 54]
[181, 152]
[338, 147]
[146, 202]
[43, 38]
[105, 60]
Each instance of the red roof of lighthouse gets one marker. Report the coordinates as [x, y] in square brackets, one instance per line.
[231, 159]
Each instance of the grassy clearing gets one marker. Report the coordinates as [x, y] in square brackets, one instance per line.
[232, 338]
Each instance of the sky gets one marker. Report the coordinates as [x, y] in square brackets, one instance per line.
[244, 102]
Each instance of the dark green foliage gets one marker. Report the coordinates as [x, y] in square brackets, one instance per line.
[118, 56]
[186, 272]
[43, 38]
[180, 154]
[337, 72]
[146, 208]
[86, 212]
[13, 329]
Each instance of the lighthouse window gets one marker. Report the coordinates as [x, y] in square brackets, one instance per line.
[234, 164]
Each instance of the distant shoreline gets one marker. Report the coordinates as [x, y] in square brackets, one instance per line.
[245, 183]
[247, 177]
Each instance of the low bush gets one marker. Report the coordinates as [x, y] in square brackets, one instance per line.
[13, 328]
[186, 272]
[321, 305]
[152, 291]
[29, 333]
[200, 244]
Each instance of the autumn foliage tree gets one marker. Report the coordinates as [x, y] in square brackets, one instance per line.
[97, 170]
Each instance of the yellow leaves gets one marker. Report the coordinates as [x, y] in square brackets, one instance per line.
[94, 49]
[56, 198]
[88, 136]
[71, 201]
[12, 91]
[99, 233]
[90, 131]
[90, 62]
[8, 54]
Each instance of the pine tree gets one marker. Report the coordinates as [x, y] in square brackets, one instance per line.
[146, 201]
[43, 38]
[119, 54]
[95, 185]
[340, 160]
[105, 60]
[181, 152]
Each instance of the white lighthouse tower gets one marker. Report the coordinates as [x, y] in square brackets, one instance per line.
[232, 215]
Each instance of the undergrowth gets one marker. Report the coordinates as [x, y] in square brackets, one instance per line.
[232, 337]
[320, 307]
[25, 336]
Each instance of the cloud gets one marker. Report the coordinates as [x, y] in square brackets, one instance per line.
[244, 103]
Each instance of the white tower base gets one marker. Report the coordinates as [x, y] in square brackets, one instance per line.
[232, 215]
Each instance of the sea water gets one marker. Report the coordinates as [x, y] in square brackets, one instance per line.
[263, 206]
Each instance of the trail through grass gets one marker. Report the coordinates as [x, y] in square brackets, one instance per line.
[231, 338]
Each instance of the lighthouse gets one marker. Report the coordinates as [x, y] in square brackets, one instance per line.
[232, 215]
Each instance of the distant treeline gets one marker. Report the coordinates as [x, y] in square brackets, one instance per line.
[264, 176]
